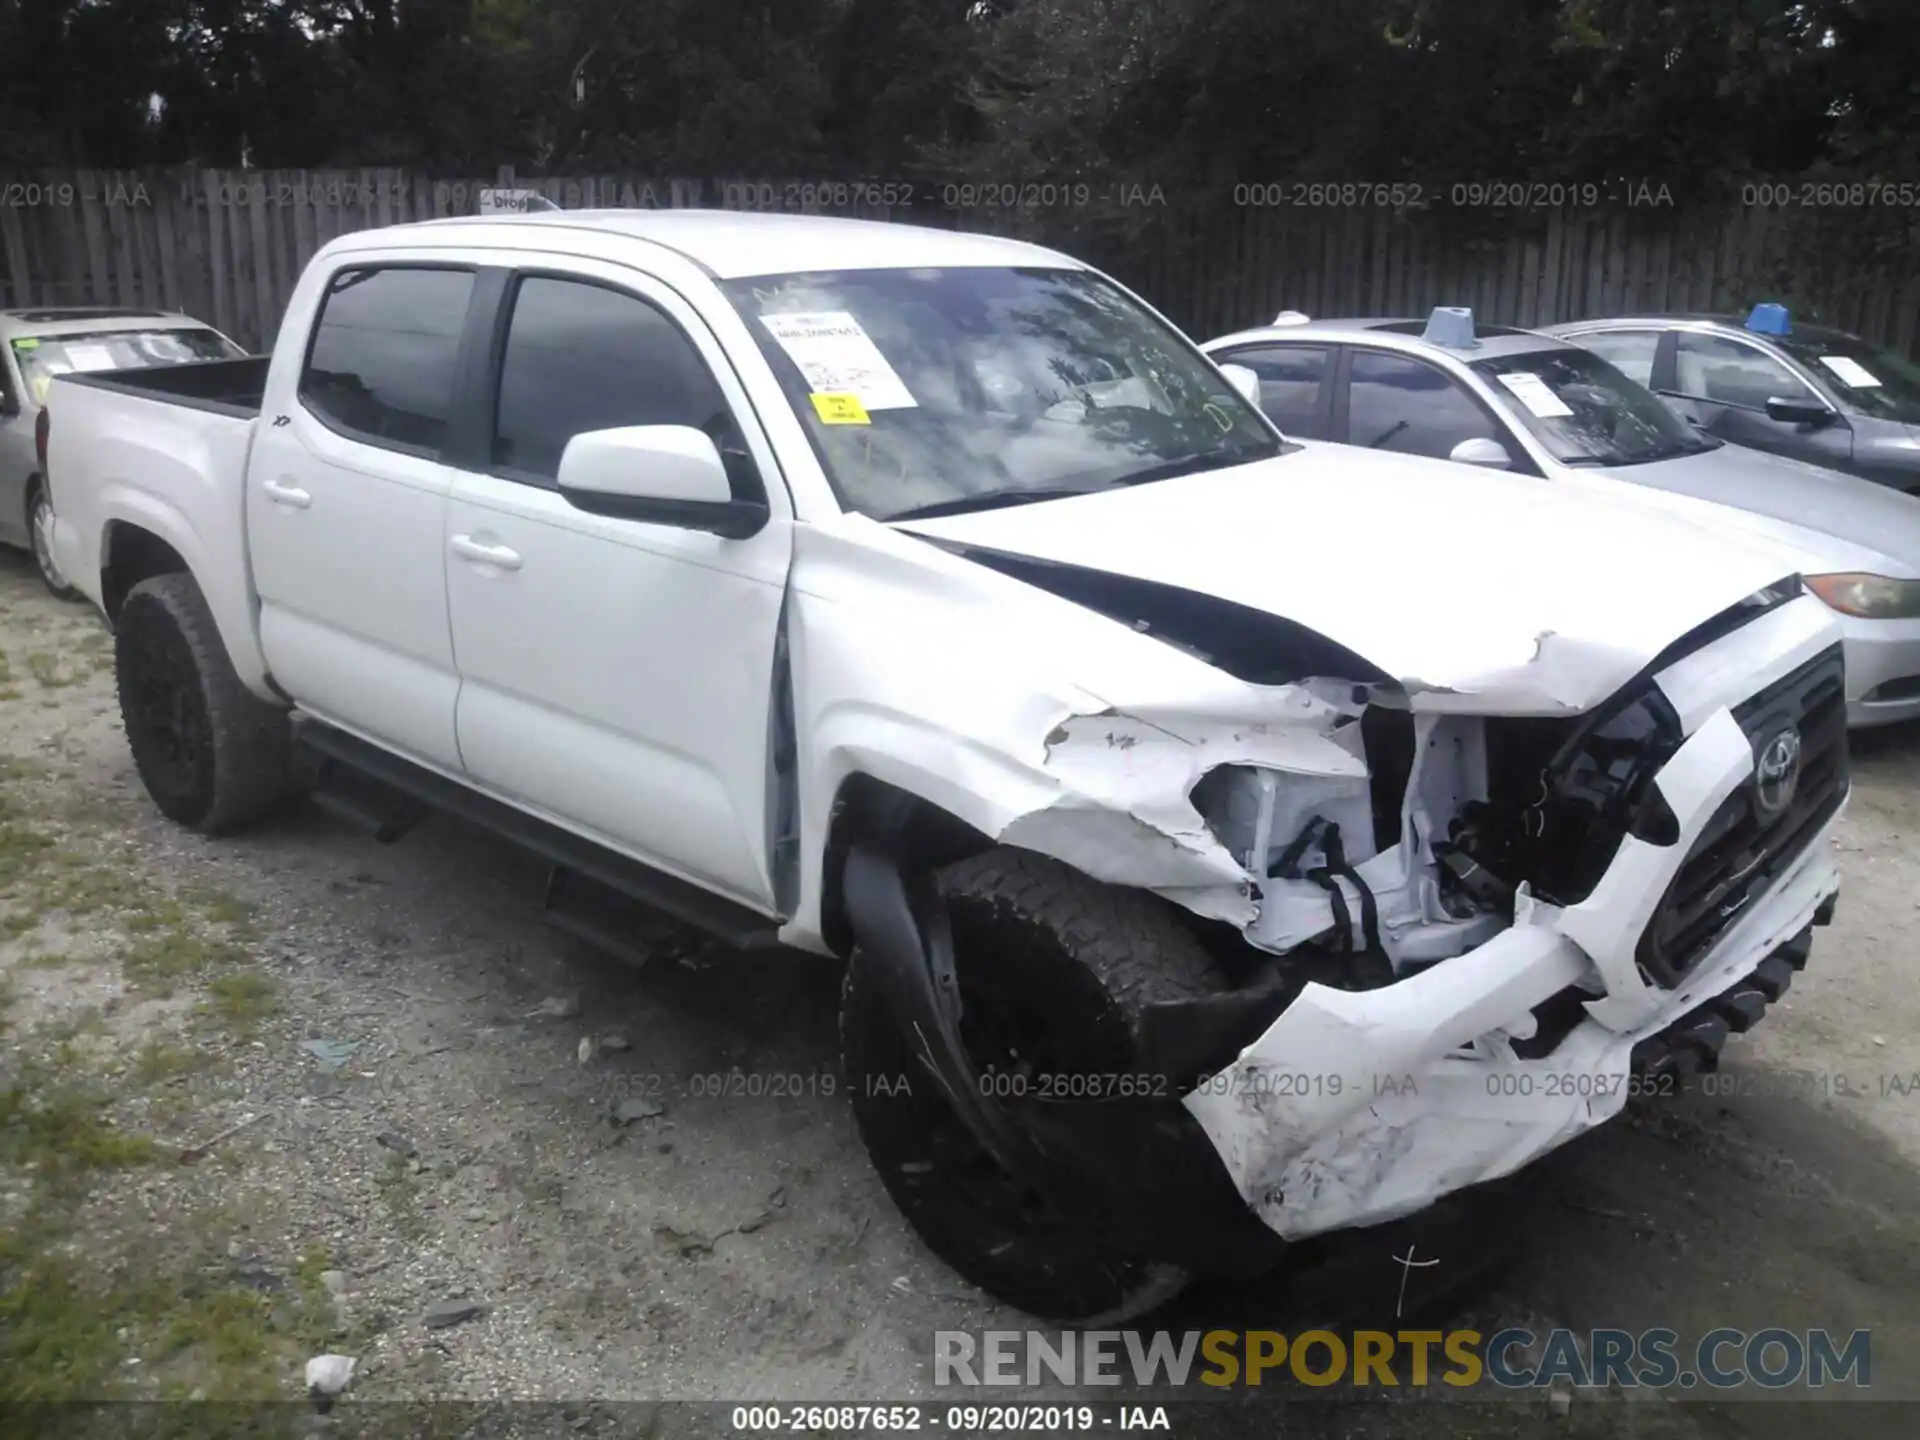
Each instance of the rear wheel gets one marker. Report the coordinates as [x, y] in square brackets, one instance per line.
[40, 539]
[211, 754]
[1053, 967]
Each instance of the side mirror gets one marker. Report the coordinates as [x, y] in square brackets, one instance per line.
[1799, 412]
[1245, 381]
[660, 474]
[1490, 453]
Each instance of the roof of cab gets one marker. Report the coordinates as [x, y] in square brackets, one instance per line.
[731, 244]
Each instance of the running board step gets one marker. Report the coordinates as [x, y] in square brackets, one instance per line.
[600, 916]
[360, 800]
[389, 775]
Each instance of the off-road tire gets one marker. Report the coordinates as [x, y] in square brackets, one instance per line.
[1086, 956]
[212, 755]
[37, 544]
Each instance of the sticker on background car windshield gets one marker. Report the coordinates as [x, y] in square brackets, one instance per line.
[1534, 393]
[840, 409]
[1851, 372]
[89, 357]
[26, 344]
[839, 358]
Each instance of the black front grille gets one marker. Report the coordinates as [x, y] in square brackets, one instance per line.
[1743, 850]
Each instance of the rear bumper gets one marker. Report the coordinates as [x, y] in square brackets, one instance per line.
[1359, 1107]
[1883, 671]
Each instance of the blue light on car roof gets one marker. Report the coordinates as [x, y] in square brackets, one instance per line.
[1451, 326]
[1770, 319]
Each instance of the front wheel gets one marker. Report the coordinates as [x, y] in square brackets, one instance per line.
[211, 754]
[40, 538]
[1052, 967]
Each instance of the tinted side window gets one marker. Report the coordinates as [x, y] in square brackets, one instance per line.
[1731, 372]
[1398, 404]
[1290, 380]
[385, 352]
[581, 357]
[1630, 352]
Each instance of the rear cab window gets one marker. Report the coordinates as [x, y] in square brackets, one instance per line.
[384, 356]
[42, 357]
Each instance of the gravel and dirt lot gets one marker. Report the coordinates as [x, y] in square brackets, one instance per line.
[297, 1092]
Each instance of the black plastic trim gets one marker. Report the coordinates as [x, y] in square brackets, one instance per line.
[734, 923]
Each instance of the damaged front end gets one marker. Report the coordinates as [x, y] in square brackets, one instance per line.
[1531, 917]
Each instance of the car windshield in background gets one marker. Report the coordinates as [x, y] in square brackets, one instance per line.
[44, 357]
[1587, 413]
[941, 390]
[1874, 382]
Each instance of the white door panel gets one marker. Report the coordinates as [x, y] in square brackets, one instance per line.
[347, 501]
[350, 561]
[619, 674]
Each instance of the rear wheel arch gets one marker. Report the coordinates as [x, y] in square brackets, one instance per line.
[129, 554]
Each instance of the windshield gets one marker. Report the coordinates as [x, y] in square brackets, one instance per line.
[1586, 412]
[42, 358]
[1873, 382]
[934, 391]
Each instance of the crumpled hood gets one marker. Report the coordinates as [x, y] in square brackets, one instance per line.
[1834, 521]
[1480, 591]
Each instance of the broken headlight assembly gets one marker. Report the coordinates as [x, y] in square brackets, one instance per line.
[1561, 798]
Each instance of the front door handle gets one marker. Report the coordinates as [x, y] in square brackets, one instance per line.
[285, 492]
[498, 556]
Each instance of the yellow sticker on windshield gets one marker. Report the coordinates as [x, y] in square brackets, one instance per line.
[840, 410]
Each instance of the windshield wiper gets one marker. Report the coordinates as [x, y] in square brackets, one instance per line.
[992, 500]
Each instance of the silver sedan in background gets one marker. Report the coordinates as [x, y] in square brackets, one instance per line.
[35, 346]
[1539, 405]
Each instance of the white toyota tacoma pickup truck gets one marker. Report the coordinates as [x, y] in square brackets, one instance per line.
[1230, 839]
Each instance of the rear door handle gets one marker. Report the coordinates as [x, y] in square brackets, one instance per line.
[498, 556]
[284, 492]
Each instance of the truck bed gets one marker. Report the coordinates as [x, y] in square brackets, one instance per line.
[224, 387]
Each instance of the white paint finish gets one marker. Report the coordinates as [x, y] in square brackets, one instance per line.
[620, 675]
[1753, 657]
[738, 243]
[1553, 628]
[615, 679]
[652, 462]
[168, 469]
[349, 543]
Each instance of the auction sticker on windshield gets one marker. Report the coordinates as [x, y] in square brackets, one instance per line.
[1851, 372]
[1534, 393]
[840, 409]
[837, 357]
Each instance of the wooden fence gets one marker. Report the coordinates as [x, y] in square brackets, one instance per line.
[227, 246]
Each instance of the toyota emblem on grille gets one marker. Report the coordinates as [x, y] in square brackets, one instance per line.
[1776, 773]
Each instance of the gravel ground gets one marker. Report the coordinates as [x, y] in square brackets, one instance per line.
[289, 1092]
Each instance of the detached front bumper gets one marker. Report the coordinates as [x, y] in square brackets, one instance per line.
[1359, 1107]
